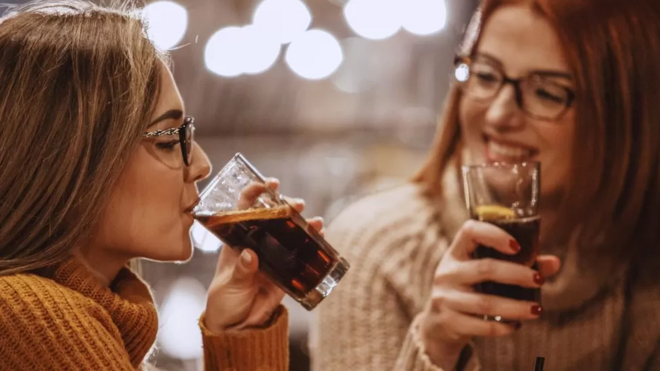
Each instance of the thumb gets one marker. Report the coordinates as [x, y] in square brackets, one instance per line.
[245, 269]
[548, 265]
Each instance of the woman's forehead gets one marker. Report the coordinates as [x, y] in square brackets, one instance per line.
[522, 40]
[169, 98]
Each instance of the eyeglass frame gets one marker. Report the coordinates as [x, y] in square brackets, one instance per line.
[188, 125]
[570, 94]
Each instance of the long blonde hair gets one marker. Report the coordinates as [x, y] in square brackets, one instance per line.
[78, 83]
[613, 48]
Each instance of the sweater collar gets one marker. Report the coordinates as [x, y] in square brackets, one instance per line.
[128, 301]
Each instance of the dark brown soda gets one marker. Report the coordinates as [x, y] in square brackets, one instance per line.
[290, 252]
[526, 232]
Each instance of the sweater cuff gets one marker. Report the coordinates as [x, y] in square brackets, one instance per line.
[413, 356]
[250, 349]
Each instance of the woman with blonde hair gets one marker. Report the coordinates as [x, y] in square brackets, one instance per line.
[572, 84]
[98, 166]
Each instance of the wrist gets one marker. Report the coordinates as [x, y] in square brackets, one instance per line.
[442, 353]
[212, 325]
[445, 356]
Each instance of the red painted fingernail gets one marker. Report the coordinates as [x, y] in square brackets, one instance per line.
[514, 245]
[538, 279]
[536, 309]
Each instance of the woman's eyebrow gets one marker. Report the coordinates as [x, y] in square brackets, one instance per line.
[543, 72]
[553, 73]
[171, 114]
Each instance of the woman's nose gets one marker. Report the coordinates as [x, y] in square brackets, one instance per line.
[504, 112]
[200, 166]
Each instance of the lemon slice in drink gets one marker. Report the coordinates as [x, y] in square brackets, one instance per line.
[494, 212]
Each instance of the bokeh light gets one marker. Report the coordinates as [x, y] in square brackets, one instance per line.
[167, 22]
[284, 19]
[260, 50]
[314, 55]
[233, 51]
[222, 54]
[424, 17]
[374, 19]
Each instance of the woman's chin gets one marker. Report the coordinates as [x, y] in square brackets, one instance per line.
[181, 255]
[186, 255]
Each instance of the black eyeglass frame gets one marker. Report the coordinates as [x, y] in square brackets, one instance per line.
[182, 131]
[570, 94]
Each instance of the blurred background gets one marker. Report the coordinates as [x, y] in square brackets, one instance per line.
[336, 98]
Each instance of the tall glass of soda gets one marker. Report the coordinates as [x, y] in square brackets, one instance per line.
[241, 211]
[506, 195]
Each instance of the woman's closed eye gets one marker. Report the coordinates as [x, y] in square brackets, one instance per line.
[487, 77]
[547, 94]
[167, 146]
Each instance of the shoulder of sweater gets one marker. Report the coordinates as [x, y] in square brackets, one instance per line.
[402, 205]
[382, 220]
[45, 325]
[29, 294]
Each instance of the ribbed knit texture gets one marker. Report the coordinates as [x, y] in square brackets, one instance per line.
[249, 350]
[394, 241]
[64, 319]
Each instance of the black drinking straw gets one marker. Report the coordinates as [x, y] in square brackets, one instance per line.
[539, 364]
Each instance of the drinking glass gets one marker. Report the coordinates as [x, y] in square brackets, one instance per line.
[243, 212]
[506, 195]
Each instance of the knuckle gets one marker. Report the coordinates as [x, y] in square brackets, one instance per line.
[448, 273]
[486, 268]
[439, 300]
[485, 305]
[469, 227]
[442, 275]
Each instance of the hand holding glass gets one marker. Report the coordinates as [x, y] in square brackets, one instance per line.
[244, 213]
[506, 195]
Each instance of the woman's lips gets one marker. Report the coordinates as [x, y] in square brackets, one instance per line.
[507, 152]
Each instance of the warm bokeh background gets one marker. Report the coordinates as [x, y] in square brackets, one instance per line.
[380, 71]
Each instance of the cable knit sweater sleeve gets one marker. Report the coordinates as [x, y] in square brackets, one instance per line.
[249, 350]
[392, 243]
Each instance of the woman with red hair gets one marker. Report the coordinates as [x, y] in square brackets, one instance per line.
[574, 85]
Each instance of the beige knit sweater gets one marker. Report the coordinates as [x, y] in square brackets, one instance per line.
[394, 241]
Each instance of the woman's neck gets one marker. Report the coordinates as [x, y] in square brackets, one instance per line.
[100, 264]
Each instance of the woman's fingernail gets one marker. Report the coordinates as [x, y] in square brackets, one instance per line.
[299, 201]
[246, 258]
[538, 279]
[513, 244]
[536, 309]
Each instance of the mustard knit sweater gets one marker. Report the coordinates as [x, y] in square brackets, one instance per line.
[64, 319]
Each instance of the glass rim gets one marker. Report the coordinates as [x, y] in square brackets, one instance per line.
[238, 157]
[502, 164]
